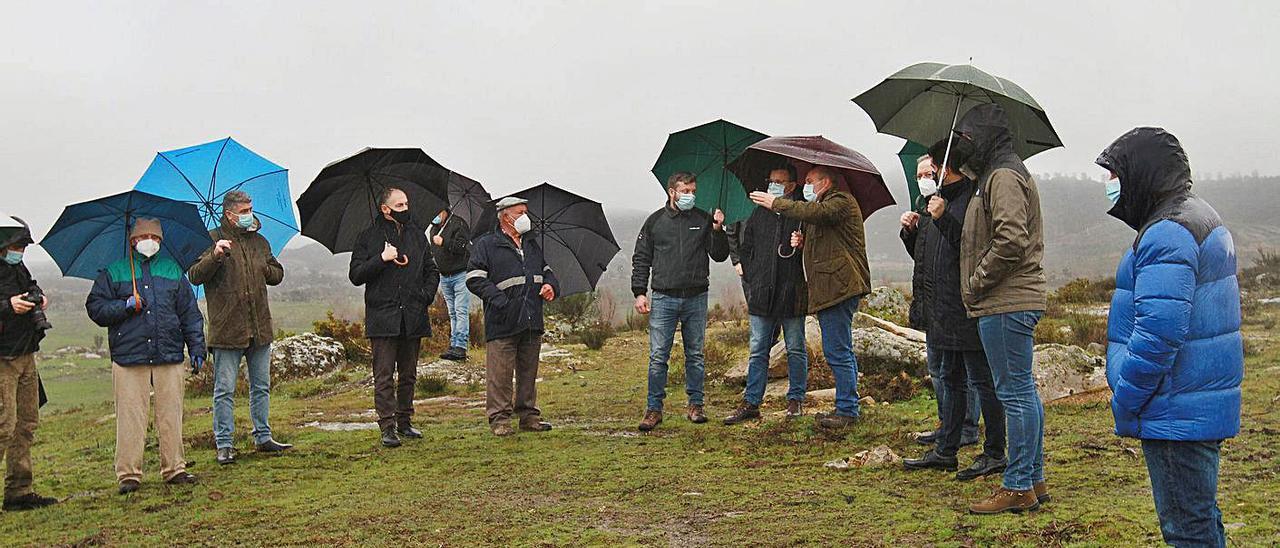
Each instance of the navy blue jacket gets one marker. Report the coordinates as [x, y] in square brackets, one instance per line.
[169, 318]
[508, 279]
[1175, 356]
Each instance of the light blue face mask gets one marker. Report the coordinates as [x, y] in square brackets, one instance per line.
[436, 220]
[777, 189]
[244, 221]
[1113, 191]
[684, 202]
[809, 194]
[13, 257]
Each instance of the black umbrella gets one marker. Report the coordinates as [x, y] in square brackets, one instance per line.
[471, 202]
[343, 199]
[574, 235]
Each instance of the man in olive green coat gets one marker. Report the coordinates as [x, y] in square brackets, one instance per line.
[835, 264]
[236, 272]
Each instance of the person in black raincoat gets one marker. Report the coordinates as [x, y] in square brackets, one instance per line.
[393, 261]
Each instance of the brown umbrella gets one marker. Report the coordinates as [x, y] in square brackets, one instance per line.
[855, 174]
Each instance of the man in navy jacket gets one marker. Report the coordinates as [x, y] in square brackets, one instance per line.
[1175, 357]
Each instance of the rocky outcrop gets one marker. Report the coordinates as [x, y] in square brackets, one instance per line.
[887, 303]
[305, 356]
[1062, 371]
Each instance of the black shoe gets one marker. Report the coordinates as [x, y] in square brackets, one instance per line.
[273, 446]
[931, 460]
[982, 466]
[389, 437]
[966, 441]
[129, 486]
[408, 431]
[182, 478]
[226, 455]
[928, 438]
[454, 353]
[29, 501]
[743, 413]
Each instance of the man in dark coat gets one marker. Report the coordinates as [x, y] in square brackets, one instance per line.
[952, 337]
[451, 247]
[777, 299]
[511, 276]
[392, 261]
[19, 383]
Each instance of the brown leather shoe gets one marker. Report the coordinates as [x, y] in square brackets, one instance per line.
[795, 409]
[1006, 500]
[534, 424]
[835, 422]
[652, 418]
[697, 415]
[743, 413]
[1042, 492]
[501, 429]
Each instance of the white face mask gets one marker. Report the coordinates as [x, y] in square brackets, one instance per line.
[522, 223]
[927, 186]
[147, 248]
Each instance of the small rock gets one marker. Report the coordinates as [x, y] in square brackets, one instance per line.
[341, 426]
[878, 455]
[1096, 349]
[1233, 526]
[824, 394]
[841, 463]
[867, 400]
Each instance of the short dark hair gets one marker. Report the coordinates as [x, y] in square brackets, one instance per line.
[787, 167]
[386, 194]
[680, 177]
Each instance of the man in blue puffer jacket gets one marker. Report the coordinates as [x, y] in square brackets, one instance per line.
[150, 313]
[1175, 357]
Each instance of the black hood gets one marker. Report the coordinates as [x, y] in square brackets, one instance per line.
[1153, 169]
[986, 126]
[16, 235]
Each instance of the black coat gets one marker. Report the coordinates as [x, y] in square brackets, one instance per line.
[18, 334]
[451, 257]
[508, 279]
[395, 297]
[774, 285]
[672, 253]
[937, 306]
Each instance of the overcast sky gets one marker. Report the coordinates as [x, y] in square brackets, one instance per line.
[583, 94]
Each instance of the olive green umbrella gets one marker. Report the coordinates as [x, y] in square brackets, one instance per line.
[910, 158]
[705, 151]
[922, 103]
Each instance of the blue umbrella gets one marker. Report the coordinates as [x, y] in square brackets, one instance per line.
[201, 175]
[91, 235]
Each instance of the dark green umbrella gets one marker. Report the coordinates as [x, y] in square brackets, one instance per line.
[922, 103]
[910, 158]
[705, 151]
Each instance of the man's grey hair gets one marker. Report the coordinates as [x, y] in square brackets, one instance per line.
[235, 197]
[680, 177]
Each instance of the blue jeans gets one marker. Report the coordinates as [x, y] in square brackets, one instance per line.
[1184, 482]
[226, 367]
[458, 298]
[1007, 338]
[837, 346]
[934, 359]
[764, 333]
[691, 313]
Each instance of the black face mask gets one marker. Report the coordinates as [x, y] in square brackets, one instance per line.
[402, 217]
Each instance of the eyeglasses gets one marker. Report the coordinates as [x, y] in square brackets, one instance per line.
[777, 182]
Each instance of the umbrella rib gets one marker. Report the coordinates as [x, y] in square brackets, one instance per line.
[213, 178]
[242, 183]
[107, 222]
[273, 218]
[184, 176]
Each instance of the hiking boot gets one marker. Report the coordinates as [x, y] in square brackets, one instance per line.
[1006, 500]
[696, 414]
[454, 353]
[182, 478]
[931, 460]
[534, 424]
[745, 412]
[29, 501]
[389, 437]
[1042, 492]
[501, 429]
[835, 422]
[795, 409]
[982, 466]
[273, 446]
[129, 486]
[927, 438]
[652, 418]
[226, 455]
[407, 430]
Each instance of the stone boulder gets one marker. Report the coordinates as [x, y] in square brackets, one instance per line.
[454, 372]
[887, 303]
[881, 347]
[1062, 371]
[305, 356]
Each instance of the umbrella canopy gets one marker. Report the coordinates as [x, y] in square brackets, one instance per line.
[922, 102]
[706, 152]
[469, 201]
[574, 235]
[91, 235]
[201, 175]
[910, 158]
[342, 201]
[855, 173]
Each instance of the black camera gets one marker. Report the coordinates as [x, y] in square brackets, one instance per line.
[36, 297]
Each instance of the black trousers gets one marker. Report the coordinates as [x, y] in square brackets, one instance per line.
[393, 397]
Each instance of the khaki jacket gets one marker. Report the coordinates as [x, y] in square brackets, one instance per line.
[835, 250]
[236, 288]
[1002, 245]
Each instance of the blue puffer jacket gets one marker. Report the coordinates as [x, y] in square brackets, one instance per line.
[1175, 356]
[169, 318]
[508, 280]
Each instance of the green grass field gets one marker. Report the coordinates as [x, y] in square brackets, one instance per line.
[594, 480]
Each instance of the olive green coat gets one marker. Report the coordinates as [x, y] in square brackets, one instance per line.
[236, 288]
[835, 249]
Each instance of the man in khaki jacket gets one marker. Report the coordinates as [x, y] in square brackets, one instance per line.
[835, 265]
[1003, 285]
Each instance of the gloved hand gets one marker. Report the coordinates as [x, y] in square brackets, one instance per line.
[196, 363]
[131, 303]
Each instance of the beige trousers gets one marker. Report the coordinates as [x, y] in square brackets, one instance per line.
[19, 415]
[133, 387]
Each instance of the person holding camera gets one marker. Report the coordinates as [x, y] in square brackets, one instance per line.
[150, 313]
[22, 326]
